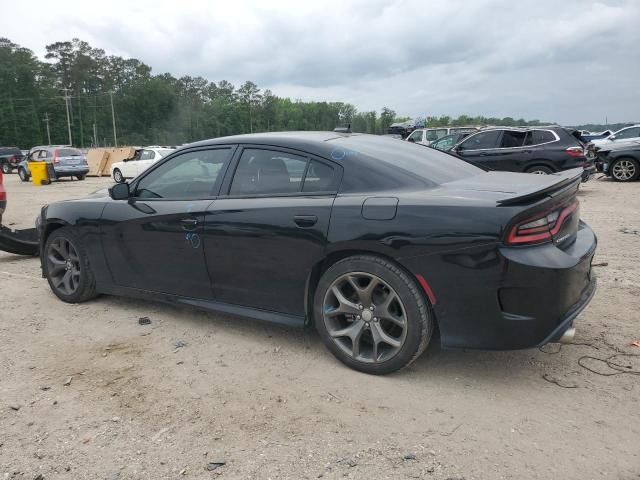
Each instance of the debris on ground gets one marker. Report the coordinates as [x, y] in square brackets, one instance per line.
[144, 321]
[631, 231]
[211, 466]
[67, 382]
[15, 407]
[180, 344]
[409, 456]
[636, 343]
[558, 382]
[601, 264]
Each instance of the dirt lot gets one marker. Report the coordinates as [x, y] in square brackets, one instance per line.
[273, 403]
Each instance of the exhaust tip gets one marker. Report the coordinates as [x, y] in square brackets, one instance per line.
[567, 336]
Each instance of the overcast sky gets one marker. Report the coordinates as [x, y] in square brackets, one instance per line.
[569, 61]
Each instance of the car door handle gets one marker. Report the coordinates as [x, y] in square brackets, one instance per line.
[188, 222]
[305, 221]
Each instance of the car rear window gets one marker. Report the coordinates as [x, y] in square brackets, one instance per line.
[418, 161]
[68, 152]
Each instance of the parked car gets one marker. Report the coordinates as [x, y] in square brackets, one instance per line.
[540, 150]
[143, 159]
[10, 157]
[372, 240]
[67, 161]
[624, 134]
[425, 136]
[621, 162]
[447, 142]
[3, 197]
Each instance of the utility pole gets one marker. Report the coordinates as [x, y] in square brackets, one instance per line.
[95, 135]
[46, 121]
[113, 119]
[66, 103]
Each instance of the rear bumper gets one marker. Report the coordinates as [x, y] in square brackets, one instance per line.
[589, 172]
[504, 298]
[71, 171]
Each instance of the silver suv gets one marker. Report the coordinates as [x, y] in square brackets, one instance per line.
[67, 161]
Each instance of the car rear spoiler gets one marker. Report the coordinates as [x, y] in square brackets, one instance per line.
[567, 180]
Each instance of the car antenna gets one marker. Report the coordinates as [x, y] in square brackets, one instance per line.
[346, 129]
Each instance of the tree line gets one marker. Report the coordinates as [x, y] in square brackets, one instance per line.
[155, 109]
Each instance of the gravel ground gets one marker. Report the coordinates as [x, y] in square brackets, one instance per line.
[88, 393]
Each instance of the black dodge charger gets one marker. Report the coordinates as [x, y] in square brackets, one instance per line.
[374, 241]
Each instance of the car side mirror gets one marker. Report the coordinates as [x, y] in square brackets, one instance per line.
[611, 137]
[412, 140]
[120, 191]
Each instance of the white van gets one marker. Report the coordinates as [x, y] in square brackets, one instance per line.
[425, 136]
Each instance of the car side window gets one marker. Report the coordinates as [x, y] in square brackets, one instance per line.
[482, 140]
[542, 136]
[628, 133]
[511, 139]
[146, 155]
[416, 136]
[262, 172]
[188, 176]
[320, 178]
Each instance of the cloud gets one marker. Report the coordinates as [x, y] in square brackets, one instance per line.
[571, 61]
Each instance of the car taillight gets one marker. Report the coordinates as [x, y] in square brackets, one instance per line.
[55, 157]
[3, 193]
[540, 228]
[575, 151]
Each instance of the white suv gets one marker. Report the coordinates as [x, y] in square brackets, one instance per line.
[426, 136]
[143, 159]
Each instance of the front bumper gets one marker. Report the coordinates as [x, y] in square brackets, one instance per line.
[588, 173]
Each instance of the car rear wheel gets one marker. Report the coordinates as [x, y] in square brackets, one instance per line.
[625, 170]
[117, 176]
[66, 267]
[6, 168]
[23, 175]
[80, 177]
[540, 170]
[372, 315]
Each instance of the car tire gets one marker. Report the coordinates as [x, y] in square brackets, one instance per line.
[625, 169]
[539, 170]
[81, 177]
[66, 267]
[22, 173]
[378, 340]
[6, 168]
[117, 176]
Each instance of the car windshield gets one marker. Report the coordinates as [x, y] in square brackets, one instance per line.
[426, 163]
[165, 151]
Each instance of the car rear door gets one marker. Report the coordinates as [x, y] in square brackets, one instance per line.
[262, 239]
[153, 241]
[147, 158]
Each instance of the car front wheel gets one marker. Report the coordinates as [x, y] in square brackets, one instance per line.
[66, 267]
[117, 176]
[372, 315]
[6, 168]
[23, 175]
[625, 170]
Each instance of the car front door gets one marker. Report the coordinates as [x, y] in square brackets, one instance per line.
[262, 239]
[481, 147]
[153, 241]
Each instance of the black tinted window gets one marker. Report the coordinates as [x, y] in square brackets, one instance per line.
[189, 176]
[319, 178]
[542, 136]
[262, 172]
[482, 140]
[512, 139]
